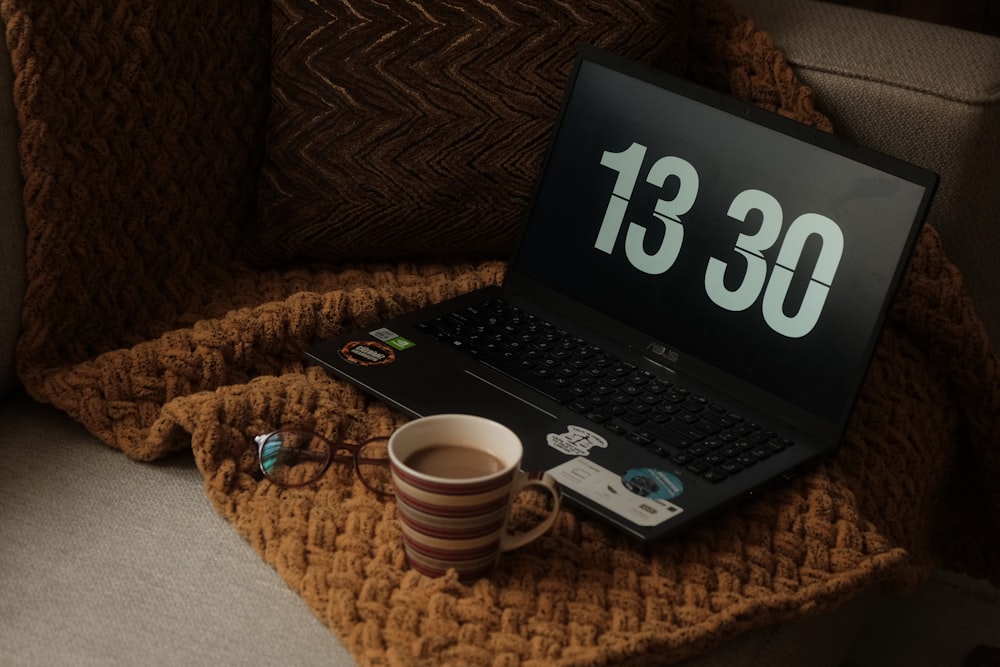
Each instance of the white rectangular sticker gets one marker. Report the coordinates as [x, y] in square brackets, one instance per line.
[390, 337]
[383, 334]
[604, 487]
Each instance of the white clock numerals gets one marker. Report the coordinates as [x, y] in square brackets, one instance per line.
[628, 164]
[751, 247]
[789, 254]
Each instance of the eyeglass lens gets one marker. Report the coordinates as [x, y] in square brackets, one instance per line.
[372, 465]
[293, 458]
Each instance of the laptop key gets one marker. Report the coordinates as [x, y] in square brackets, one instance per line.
[633, 418]
[731, 467]
[616, 428]
[692, 405]
[707, 427]
[699, 467]
[718, 417]
[684, 430]
[598, 416]
[683, 459]
[715, 459]
[640, 438]
[715, 476]
[668, 435]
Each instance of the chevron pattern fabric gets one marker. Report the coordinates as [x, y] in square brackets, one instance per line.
[417, 115]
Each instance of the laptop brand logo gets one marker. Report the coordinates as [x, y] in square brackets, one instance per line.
[663, 352]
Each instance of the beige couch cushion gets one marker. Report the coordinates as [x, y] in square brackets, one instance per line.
[107, 562]
[399, 129]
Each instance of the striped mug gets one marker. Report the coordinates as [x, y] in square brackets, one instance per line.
[455, 479]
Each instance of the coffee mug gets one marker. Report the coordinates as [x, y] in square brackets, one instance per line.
[455, 478]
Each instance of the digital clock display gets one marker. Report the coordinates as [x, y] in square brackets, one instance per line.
[764, 255]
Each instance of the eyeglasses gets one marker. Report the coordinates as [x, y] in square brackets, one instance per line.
[296, 457]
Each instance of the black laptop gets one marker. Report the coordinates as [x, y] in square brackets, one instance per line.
[691, 308]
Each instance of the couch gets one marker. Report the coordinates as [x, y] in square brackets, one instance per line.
[136, 362]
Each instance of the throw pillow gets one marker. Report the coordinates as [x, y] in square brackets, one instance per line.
[417, 128]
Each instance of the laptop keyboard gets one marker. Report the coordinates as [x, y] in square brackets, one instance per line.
[669, 420]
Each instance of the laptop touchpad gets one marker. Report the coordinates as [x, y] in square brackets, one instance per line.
[468, 392]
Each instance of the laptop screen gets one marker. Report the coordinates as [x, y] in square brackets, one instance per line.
[722, 233]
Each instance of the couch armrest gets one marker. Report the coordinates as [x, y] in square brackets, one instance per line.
[925, 93]
[12, 230]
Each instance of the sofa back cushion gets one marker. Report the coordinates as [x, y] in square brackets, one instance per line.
[417, 128]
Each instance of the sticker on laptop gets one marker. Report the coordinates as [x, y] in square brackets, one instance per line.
[608, 489]
[576, 441]
[653, 483]
[390, 337]
[367, 353]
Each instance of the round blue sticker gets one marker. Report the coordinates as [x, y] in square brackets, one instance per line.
[652, 483]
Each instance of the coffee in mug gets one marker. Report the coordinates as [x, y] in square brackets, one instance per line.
[453, 461]
[455, 478]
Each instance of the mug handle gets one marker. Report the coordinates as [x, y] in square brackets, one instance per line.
[522, 481]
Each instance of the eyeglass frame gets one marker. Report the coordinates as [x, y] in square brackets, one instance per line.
[332, 455]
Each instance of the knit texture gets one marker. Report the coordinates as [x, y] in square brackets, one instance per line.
[142, 138]
[390, 126]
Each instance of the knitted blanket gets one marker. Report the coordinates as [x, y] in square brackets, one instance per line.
[142, 323]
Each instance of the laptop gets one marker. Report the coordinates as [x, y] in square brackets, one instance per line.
[690, 310]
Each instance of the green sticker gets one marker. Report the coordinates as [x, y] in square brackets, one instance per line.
[400, 343]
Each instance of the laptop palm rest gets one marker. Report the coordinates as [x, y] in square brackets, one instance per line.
[469, 392]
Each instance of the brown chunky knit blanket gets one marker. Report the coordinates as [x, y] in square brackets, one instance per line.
[141, 144]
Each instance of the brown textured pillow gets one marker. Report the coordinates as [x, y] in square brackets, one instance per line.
[401, 129]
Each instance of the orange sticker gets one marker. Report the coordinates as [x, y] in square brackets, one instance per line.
[367, 353]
